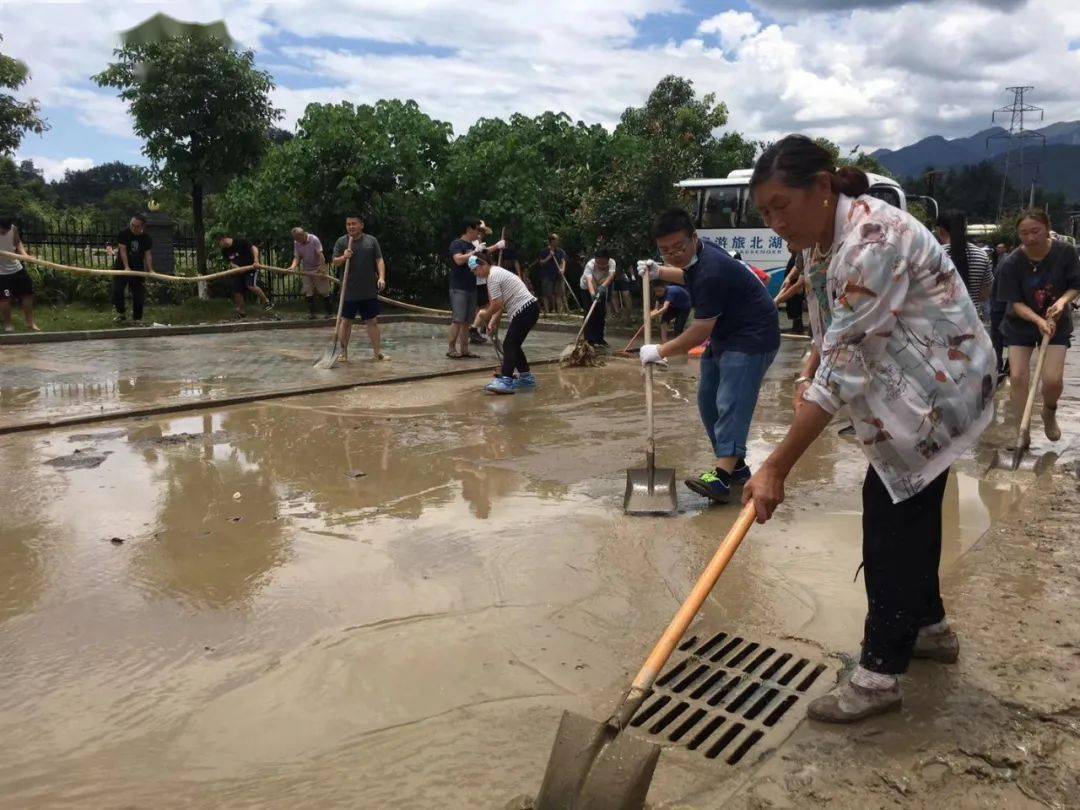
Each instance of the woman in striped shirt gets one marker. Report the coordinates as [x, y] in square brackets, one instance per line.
[971, 261]
[508, 293]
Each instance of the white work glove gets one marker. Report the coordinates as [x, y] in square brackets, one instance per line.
[650, 353]
[500, 245]
[647, 267]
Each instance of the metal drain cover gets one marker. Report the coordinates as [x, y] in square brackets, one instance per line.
[725, 694]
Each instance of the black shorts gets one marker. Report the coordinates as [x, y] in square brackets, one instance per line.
[482, 297]
[621, 284]
[1030, 342]
[678, 318]
[16, 286]
[242, 282]
[366, 309]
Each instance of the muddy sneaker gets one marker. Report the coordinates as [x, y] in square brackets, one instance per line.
[269, 307]
[525, 381]
[1050, 425]
[500, 385]
[849, 703]
[710, 486]
[941, 646]
[741, 474]
[476, 337]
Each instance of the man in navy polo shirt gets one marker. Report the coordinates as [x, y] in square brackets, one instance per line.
[734, 311]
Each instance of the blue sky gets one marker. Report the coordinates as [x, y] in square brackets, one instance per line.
[874, 73]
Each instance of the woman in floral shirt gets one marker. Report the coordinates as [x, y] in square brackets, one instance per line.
[907, 354]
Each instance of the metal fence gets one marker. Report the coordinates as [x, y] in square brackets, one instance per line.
[91, 242]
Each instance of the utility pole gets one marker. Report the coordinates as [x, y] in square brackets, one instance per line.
[1017, 136]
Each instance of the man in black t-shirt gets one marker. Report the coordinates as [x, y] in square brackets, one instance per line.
[462, 288]
[241, 253]
[133, 253]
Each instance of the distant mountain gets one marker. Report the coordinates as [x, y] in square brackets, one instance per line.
[1059, 162]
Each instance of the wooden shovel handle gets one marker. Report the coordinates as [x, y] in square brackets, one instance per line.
[666, 645]
[635, 337]
[1025, 421]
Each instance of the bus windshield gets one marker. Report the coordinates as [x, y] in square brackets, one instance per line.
[727, 207]
[886, 194]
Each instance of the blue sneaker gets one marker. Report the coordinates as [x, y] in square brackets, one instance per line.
[500, 385]
[741, 474]
[526, 380]
[710, 486]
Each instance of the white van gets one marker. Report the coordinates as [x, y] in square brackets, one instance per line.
[723, 213]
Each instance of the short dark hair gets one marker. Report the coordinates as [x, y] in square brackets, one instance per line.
[6, 221]
[483, 256]
[673, 220]
[354, 215]
[796, 161]
[469, 223]
[656, 285]
[602, 253]
[140, 217]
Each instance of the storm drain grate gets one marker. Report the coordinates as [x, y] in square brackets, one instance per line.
[723, 694]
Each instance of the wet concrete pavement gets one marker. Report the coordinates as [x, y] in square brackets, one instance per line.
[386, 596]
[49, 381]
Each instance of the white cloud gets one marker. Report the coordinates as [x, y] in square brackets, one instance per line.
[878, 74]
[54, 169]
[732, 27]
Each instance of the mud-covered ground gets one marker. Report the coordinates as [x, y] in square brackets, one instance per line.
[386, 596]
[1001, 728]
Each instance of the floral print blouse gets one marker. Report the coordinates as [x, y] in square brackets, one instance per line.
[905, 349]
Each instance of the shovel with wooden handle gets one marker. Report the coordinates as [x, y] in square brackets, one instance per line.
[333, 354]
[1023, 433]
[599, 766]
[650, 490]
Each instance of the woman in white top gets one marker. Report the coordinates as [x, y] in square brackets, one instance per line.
[508, 293]
[906, 353]
[596, 281]
[15, 282]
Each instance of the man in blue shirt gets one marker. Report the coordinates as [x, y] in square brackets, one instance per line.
[734, 311]
[672, 308]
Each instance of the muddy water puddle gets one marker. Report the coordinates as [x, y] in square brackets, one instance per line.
[385, 596]
[39, 381]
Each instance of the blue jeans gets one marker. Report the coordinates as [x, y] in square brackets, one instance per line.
[727, 396]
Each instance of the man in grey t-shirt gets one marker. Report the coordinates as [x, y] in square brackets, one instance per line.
[367, 278]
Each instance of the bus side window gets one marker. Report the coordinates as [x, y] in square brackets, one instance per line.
[720, 209]
[750, 216]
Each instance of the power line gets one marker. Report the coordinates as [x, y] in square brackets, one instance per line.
[1017, 137]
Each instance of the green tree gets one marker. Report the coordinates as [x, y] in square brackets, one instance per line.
[202, 108]
[91, 186]
[671, 138]
[379, 160]
[16, 117]
[528, 174]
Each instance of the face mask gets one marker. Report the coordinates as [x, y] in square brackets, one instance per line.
[473, 262]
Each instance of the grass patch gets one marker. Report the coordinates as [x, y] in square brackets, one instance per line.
[77, 317]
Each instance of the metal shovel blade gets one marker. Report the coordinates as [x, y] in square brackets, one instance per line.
[650, 491]
[594, 766]
[329, 358]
